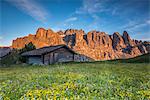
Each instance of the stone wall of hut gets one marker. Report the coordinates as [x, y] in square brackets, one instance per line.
[81, 58]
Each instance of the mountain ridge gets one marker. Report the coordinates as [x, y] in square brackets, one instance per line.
[95, 44]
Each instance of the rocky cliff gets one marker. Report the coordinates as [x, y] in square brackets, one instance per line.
[94, 44]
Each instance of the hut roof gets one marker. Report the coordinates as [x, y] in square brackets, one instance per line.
[4, 51]
[44, 50]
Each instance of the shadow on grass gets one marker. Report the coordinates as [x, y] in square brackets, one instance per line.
[139, 59]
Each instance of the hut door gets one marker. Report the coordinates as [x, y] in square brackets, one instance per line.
[55, 57]
[51, 58]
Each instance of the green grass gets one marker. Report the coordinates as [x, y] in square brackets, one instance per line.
[79, 81]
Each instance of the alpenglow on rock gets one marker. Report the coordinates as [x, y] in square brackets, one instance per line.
[96, 45]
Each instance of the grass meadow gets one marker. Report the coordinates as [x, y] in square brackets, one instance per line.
[76, 81]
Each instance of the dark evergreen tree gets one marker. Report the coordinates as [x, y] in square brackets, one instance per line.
[28, 47]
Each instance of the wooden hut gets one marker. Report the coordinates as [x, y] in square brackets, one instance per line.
[50, 55]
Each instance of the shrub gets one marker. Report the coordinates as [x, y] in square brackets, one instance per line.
[15, 55]
[12, 58]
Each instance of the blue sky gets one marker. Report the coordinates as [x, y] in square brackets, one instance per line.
[21, 17]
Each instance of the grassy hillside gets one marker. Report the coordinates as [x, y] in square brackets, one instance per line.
[139, 59]
[79, 81]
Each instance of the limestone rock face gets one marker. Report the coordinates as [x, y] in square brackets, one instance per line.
[41, 32]
[127, 39]
[118, 42]
[95, 45]
[70, 31]
[101, 44]
[147, 45]
[42, 38]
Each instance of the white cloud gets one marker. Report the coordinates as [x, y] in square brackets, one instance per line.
[71, 19]
[144, 39]
[1, 40]
[95, 23]
[1, 37]
[134, 25]
[68, 22]
[91, 6]
[148, 21]
[115, 11]
[32, 8]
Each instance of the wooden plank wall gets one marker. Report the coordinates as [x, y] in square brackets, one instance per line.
[59, 55]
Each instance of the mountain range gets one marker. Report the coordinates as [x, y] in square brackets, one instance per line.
[94, 44]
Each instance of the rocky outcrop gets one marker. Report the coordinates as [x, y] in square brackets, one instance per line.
[40, 39]
[118, 42]
[127, 39]
[147, 45]
[96, 45]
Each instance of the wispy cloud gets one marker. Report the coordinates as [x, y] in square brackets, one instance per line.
[148, 21]
[68, 22]
[144, 39]
[134, 25]
[95, 23]
[32, 8]
[1, 40]
[138, 29]
[1, 37]
[91, 6]
[71, 19]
